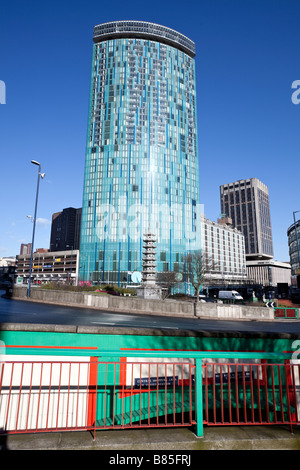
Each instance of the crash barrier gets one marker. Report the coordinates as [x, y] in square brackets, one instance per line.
[285, 312]
[144, 389]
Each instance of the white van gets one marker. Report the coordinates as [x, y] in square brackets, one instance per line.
[230, 294]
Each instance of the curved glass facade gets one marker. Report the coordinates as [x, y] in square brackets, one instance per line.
[141, 169]
[293, 234]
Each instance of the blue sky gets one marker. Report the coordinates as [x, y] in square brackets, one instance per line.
[247, 56]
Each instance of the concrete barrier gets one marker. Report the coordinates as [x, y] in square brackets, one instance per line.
[243, 312]
[136, 305]
[107, 302]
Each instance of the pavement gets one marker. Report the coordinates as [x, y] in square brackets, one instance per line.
[159, 439]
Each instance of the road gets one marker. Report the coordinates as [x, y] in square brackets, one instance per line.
[18, 311]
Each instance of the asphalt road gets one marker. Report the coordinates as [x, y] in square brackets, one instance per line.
[18, 311]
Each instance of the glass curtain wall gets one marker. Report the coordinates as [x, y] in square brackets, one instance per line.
[141, 169]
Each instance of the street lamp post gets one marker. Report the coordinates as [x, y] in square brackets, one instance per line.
[34, 222]
[297, 239]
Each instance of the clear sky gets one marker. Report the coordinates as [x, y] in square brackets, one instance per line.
[247, 57]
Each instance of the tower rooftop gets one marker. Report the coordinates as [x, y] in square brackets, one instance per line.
[144, 30]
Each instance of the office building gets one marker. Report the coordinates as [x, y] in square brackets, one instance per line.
[269, 273]
[293, 234]
[246, 202]
[7, 261]
[65, 230]
[141, 167]
[224, 248]
[25, 248]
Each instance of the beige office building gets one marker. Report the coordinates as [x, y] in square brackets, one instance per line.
[269, 273]
[225, 247]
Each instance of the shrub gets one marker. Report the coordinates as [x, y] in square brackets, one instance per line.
[286, 303]
[88, 288]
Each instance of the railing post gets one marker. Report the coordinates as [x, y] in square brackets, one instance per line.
[92, 395]
[199, 398]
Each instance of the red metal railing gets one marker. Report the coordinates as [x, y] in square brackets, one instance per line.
[63, 396]
[285, 312]
[251, 394]
[89, 394]
[144, 394]
[44, 396]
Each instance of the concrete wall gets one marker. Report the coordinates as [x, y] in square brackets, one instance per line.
[243, 312]
[107, 302]
[156, 307]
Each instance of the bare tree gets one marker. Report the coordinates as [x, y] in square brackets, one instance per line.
[167, 280]
[198, 268]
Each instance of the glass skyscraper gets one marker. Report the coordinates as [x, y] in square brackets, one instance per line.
[141, 167]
